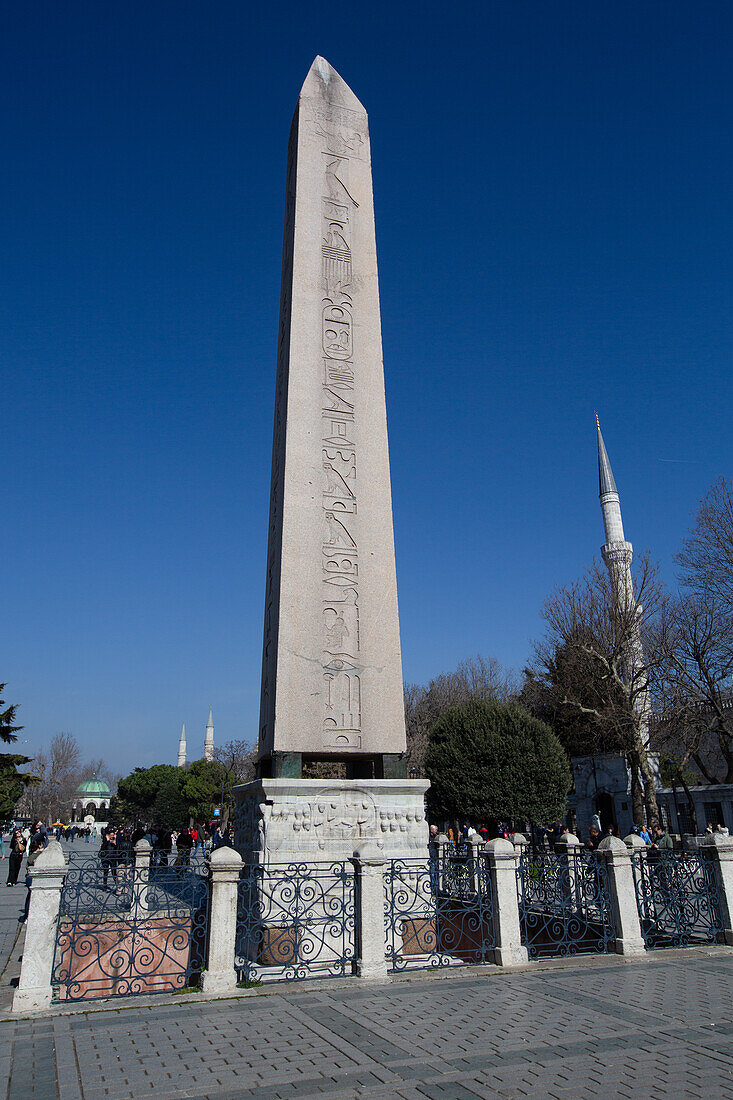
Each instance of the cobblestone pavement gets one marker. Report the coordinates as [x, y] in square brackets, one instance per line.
[660, 1027]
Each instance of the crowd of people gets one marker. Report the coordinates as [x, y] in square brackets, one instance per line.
[547, 837]
[116, 851]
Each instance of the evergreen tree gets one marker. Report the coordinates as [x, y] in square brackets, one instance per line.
[12, 782]
[494, 761]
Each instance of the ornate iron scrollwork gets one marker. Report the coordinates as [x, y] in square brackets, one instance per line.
[438, 912]
[124, 930]
[564, 904]
[677, 897]
[295, 921]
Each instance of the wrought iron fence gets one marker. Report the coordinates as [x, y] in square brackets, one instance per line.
[438, 912]
[124, 930]
[295, 921]
[677, 897]
[564, 904]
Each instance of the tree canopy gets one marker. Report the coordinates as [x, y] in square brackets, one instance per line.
[169, 794]
[489, 760]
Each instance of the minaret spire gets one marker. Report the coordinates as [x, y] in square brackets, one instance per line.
[209, 739]
[182, 747]
[610, 502]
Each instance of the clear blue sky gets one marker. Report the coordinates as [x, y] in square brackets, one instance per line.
[552, 188]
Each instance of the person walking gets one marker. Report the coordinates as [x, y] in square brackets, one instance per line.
[17, 851]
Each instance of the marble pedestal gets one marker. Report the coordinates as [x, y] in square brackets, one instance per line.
[313, 820]
[296, 837]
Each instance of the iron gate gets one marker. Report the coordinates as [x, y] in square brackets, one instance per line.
[438, 912]
[677, 897]
[124, 930]
[564, 904]
[295, 921]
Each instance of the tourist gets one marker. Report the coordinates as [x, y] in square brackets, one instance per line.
[108, 856]
[184, 844]
[34, 850]
[17, 851]
[164, 845]
[662, 841]
[594, 838]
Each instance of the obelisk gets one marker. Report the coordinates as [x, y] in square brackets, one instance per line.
[331, 670]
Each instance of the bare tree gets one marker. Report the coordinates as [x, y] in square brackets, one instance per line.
[240, 761]
[475, 678]
[706, 557]
[97, 768]
[64, 762]
[32, 802]
[613, 636]
[693, 698]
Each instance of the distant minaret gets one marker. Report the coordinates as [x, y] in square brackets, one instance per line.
[209, 740]
[617, 554]
[182, 747]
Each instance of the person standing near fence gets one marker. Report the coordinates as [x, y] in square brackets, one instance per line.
[165, 845]
[17, 851]
[184, 844]
[35, 848]
[108, 855]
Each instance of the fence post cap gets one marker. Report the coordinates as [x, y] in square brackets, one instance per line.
[369, 852]
[441, 838]
[519, 839]
[50, 859]
[567, 840]
[501, 847]
[633, 840]
[143, 846]
[613, 844]
[225, 857]
[716, 840]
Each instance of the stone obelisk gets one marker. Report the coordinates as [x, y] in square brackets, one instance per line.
[331, 669]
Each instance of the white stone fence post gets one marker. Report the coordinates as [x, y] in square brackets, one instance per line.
[720, 850]
[141, 879]
[568, 849]
[369, 865]
[225, 867]
[624, 910]
[503, 860]
[34, 990]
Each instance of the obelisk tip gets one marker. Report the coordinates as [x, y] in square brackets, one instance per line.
[323, 82]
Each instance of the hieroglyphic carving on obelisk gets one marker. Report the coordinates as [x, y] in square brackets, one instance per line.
[331, 670]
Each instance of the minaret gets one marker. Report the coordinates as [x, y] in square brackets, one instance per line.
[616, 551]
[617, 554]
[182, 747]
[209, 739]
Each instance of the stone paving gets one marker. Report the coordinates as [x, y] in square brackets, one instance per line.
[594, 1027]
